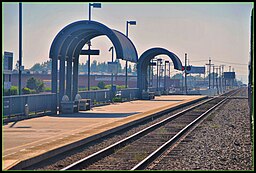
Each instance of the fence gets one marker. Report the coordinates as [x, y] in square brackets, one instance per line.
[97, 95]
[15, 105]
[130, 93]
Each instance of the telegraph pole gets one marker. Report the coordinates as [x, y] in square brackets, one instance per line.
[209, 69]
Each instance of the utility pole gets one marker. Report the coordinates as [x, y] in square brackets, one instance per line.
[222, 77]
[220, 88]
[213, 76]
[209, 69]
[217, 80]
[186, 91]
[20, 45]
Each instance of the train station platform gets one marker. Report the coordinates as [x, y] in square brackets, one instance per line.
[32, 140]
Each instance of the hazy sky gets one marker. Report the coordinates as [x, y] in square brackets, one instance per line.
[220, 31]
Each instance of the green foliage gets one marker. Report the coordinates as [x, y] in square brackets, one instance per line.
[35, 84]
[117, 99]
[94, 88]
[14, 90]
[119, 87]
[26, 90]
[48, 89]
[107, 86]
[101, 85]
[82, 89]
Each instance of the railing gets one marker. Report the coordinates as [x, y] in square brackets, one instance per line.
[37, 103]
[130, 93]
[97, 95]
[15, 105]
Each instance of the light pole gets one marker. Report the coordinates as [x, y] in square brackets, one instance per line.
[186, 91]
[126, 62]
[20, 45]
[94, 5]
[112, 49]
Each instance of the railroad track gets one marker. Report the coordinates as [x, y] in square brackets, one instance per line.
[138, 150]
[172, 152]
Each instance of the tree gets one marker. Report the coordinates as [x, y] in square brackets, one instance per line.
[101, 85]
[134, 68]
[94, 66]
[36, 67]
[129, 69]
[35, 84]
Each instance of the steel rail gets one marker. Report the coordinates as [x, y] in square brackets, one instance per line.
[110, 149]
[144, 163]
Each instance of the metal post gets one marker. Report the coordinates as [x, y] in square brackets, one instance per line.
[165, 76]
[112, 76]
[20, 45]
[209, 75]
[213, 77]
[89, 11]
[126, 63]
[182, 89]
[220, 79]
[157, 78]
[217, 80]
[89, 65]
[152, 70]
[186, 74]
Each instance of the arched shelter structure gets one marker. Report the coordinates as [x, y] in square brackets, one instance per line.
[66, 48]
[144, 61]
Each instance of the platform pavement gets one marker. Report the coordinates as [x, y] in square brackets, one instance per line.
[33, 137]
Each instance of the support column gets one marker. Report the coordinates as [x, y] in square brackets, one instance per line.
[69, 78]
[75, 77]
[62, 79]
[54, 82]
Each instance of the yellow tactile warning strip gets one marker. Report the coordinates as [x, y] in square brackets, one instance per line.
[24, 150]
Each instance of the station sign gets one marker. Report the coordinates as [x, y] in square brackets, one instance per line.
[90, 52]
[229, 75]
[196, 70]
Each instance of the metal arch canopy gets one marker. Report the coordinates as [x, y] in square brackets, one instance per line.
[144, 61]
[76, 34]
[67, 46]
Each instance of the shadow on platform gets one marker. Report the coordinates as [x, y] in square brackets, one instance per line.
[95, 115]
[167, 100]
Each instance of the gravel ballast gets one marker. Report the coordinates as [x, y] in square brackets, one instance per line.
[221, 142]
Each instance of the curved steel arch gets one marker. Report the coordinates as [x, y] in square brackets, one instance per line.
[124, 47]
[68, 44]
[144, 61]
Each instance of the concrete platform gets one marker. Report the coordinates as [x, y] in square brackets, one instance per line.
[36, 138]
